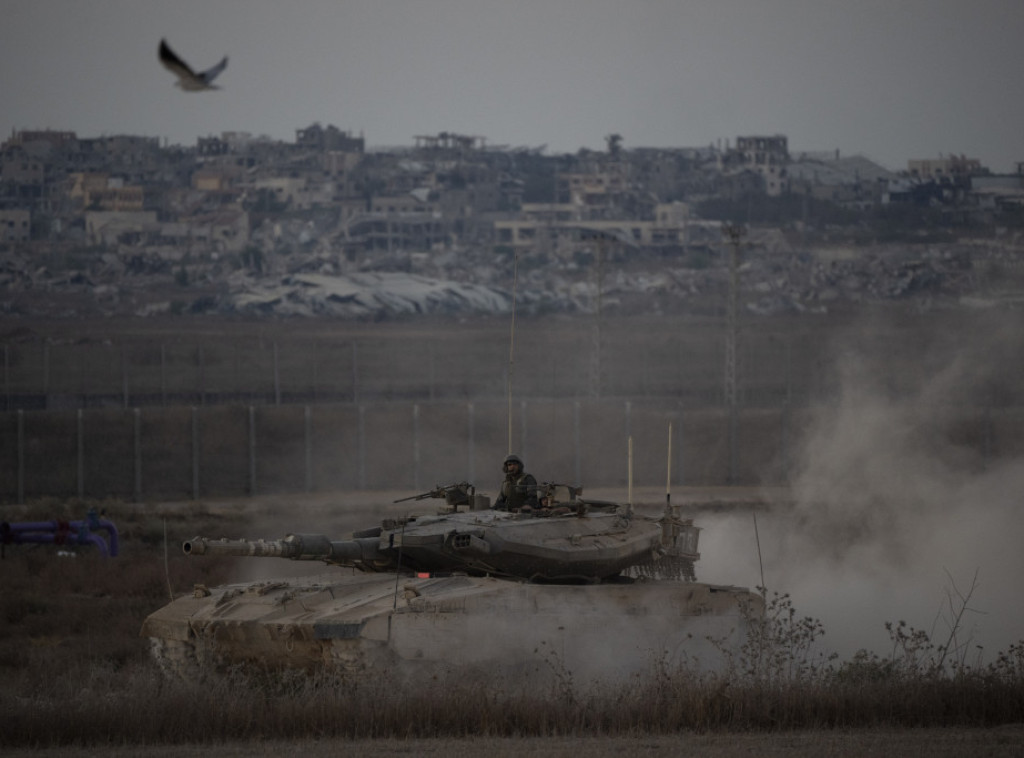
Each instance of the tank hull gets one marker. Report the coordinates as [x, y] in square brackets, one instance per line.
[455, 625]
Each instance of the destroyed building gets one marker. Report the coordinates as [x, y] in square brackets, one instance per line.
[238, 216]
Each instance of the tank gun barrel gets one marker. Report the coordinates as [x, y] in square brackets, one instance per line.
[360, 552]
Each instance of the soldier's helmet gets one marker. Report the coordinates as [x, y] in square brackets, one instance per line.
[512, 459]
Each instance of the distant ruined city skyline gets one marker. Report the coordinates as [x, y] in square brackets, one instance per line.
[482, 142]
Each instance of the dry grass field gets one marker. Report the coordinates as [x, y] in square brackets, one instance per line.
[999, 742]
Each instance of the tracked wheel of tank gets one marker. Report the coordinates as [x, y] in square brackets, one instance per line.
[182, 659]
[197, 658]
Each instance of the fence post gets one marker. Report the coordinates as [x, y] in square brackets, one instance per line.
[432, 374]
[784, 441]
[470, 414]
[308, 438]
[137, 489]
[733, 442]
[277, 377]
[195, 453]
[7, 378]
[81, 453]
[252, 451]
[355, 372]
[163, 374]
[202, 376]
[83, 380]
[680, 462]
[416, 446]
[316, 356]
[362, 447]
[576, 438]
[789, 369]
[522, 429]
[21, 456]
[124, 376]
[645, 376]
[986, 445]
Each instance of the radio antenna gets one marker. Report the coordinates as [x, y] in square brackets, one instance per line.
[668, 468]
[629, 475]
[512, 347]
[760, 560]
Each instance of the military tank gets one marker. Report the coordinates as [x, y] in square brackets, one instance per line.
[576, 587]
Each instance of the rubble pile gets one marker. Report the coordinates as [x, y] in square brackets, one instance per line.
[773, 278]
[803, 281]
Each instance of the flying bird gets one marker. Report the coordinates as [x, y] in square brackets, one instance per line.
[188, 79]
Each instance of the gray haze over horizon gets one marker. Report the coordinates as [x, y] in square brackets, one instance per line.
[891, 81]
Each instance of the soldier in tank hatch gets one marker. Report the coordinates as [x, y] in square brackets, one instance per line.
[518, 489]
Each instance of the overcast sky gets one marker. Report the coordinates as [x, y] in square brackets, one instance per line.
[890, 79]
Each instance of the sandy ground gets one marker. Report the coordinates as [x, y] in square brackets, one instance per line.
[1005, 741]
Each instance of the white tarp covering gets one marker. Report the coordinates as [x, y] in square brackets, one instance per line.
[375, 294]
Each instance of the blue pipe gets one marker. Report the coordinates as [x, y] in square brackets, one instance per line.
[63, 532]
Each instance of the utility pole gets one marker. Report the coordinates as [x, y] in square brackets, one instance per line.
[596, 337]
[600, 240]
[735, 233]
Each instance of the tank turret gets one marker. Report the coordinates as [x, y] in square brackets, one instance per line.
[568, 539]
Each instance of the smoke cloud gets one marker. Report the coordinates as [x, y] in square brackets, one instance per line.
[895, 511]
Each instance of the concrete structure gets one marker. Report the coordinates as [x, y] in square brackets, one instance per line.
[997, 192]
[285, 189]
[18, 166]
[51, 138]
[850, 181]
[15, 225]
[329, 138]
[765, 156]
[563, 229]
[950, 168]
[119, 227]
[590, 190]
[449, 141]
[98, 191]
[224, 230]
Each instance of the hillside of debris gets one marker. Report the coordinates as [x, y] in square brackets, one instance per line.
[775, 274]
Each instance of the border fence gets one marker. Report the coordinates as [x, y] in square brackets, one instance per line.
[560, 364]
[186, 452]
[775, 369]
[224, 415]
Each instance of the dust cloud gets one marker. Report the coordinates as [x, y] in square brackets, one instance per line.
[895, 511]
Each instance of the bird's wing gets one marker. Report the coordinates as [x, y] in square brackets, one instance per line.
[175, 64]
[211, 73]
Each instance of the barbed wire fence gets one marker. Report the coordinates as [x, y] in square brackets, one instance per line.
[142, 373]
[174, 419]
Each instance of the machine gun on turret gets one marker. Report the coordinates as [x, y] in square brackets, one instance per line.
[454, 495]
